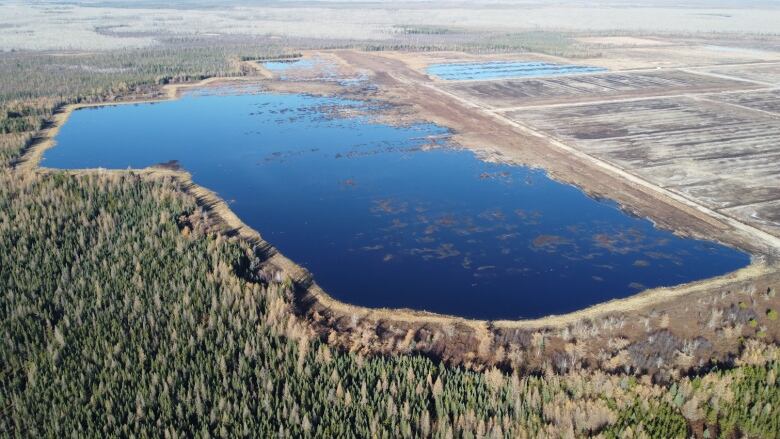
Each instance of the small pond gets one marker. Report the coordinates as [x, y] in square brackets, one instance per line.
[393, 216]
[285, 65]
[312, 69]
[504, 69]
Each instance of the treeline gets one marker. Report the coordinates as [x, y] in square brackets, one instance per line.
[81, 76]
[281, 56]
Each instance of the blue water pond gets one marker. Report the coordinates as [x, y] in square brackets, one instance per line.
[284, 65]
[392, 216]
[504, 69]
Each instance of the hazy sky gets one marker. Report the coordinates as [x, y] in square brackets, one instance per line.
[114, 23]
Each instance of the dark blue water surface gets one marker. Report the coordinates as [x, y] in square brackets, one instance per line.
[505, 69]
[390, 216]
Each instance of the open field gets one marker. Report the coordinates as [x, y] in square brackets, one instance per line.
[763, 73]
[84, 25]
[681, 144]
[588, 87]
[621, 41]
[680, 53]
[764, 101]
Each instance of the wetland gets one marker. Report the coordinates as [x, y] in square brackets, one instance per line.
[394, 216]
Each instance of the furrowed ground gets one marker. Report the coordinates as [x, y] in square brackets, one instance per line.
[124, 311]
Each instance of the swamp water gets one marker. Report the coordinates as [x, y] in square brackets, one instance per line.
[314, 68]
[388, 216]
[504, 69]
